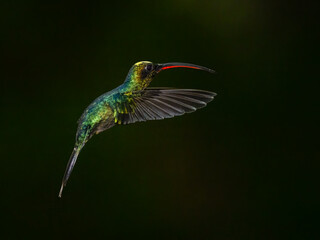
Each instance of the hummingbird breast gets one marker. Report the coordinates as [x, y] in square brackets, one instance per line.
[96, 118]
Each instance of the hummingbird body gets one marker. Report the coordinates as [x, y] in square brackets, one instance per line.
[133, 102]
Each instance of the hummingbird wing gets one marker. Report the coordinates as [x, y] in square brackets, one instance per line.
[161, 103]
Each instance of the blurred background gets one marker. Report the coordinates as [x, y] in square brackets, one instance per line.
[241, 168]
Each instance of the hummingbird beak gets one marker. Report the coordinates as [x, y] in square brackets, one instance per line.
[160, 67]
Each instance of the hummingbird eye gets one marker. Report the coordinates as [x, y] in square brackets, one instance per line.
[146, 71]
[149, 67]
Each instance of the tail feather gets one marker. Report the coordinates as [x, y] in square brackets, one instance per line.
[71, 163]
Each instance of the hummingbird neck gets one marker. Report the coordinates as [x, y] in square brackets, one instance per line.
[130, 86]
[135, 83]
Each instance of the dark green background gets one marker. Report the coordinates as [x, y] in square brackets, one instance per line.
[241, 168]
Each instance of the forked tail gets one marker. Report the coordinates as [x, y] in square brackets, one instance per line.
[71, 163]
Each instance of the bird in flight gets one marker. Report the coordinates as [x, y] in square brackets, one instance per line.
[134, 102]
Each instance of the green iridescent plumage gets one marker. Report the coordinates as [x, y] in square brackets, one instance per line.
[133, 102]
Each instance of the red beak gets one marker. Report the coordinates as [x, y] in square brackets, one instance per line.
[164, 66]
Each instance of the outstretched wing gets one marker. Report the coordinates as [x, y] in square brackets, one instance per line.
[160, 103]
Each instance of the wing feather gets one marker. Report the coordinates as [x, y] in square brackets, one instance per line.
[161, 103]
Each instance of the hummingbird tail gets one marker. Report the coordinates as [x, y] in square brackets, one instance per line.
[71, 163]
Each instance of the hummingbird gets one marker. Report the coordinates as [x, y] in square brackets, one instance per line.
[134, 102]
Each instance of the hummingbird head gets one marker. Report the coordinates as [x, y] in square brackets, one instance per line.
[143, 72]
